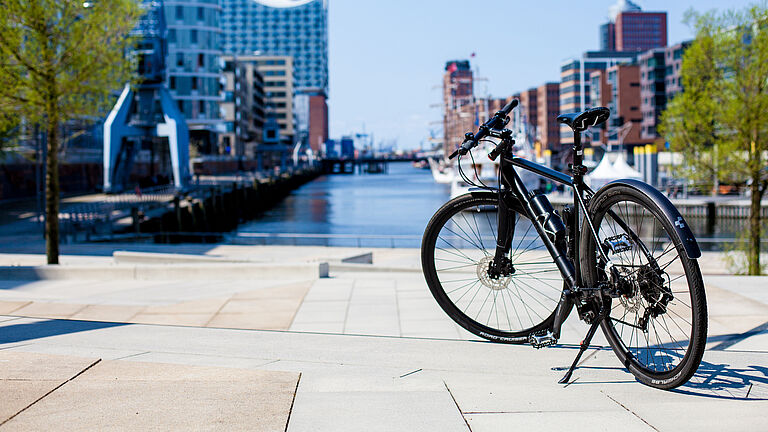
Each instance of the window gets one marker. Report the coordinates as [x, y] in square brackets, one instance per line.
[201, 107]
[193, 36]
[179, 12]
[200, 60]
[172, 84]
[194, 83]
[172, 35]
[200, 14]
[180, 59]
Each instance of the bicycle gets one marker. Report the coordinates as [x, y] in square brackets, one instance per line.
[627, 264]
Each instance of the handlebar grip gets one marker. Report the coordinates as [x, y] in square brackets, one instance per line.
[510, 106]
[453, 155]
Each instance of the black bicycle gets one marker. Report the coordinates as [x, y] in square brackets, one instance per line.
[506, 266]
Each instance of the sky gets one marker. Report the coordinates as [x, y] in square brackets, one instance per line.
[387, 57]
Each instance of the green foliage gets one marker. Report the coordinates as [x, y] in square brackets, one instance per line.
[724, 105]
[720, 120]
[64, 54]
[60, 60]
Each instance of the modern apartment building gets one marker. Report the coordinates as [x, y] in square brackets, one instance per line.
[575, 82]
[659, 82]
[624, 126]
[548, 102]
[458, 103]
[242, 108]
[631, 29]
[279, 91]
[529, 109]
[193, 67]
[294, 28]
[318, 118]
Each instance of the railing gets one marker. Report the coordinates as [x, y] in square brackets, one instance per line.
[296, 239]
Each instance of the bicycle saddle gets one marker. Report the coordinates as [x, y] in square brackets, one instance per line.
[581, 121]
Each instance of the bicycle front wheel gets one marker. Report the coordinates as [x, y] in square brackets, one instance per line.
[458, 246]
[658, 320]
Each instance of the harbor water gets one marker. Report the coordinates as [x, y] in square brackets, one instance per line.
[386, 210]
[372, 210]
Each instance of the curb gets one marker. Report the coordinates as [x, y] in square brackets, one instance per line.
[200, 271]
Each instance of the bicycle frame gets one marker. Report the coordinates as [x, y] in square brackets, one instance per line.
[570, 270]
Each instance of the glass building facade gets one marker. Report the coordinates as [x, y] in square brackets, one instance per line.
[296, 28]
[194, 67]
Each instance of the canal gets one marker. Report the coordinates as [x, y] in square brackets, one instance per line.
[386, 210]
[346, 210]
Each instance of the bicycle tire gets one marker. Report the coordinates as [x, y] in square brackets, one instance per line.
[461, 238]
[657, 355]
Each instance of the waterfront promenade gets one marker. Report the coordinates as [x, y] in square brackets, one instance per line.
[300, 339]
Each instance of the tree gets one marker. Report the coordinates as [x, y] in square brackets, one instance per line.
[60, 60]
[720, 120]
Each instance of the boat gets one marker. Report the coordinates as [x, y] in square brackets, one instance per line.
[442, 173]
[487, 171]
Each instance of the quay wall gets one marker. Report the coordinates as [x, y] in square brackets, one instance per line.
[208, 212]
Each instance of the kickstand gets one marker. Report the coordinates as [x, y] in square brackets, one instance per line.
[583, 347]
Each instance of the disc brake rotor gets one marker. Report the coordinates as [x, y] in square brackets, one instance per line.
[500, 283]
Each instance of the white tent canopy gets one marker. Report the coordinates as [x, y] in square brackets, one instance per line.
[606, 171]
[621, 167]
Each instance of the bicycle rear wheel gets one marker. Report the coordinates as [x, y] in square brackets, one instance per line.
[457, 248]
[658, 320]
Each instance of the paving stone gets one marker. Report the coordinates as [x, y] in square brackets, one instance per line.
[49, 310]
[181, 319]
[113, 313]
[25, 378]
[552, 421]
[375, 411]
[204, 306]
[261, 320]
[141, 396]
[8, 307]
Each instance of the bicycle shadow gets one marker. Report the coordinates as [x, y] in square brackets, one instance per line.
[711, 380]
[723, 381]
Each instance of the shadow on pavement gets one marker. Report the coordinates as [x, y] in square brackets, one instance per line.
[40, 329]
[723, 381]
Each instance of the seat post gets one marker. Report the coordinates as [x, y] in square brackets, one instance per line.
[578, 155]
[577, 170]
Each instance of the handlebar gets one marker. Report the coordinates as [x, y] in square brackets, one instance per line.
[471, 141]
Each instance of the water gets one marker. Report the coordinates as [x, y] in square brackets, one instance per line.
[385, 210]
[347, 210]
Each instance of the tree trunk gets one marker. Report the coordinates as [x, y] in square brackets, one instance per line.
[52, 188]
[753, 249]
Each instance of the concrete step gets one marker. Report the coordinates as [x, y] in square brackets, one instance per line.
[184, 271]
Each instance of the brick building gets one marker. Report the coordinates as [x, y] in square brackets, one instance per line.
[548, 103]
[631, 29]
[458, 103]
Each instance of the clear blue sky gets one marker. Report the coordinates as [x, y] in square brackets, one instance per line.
[386, 57]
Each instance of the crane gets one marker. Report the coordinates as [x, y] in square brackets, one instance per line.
[145, 115]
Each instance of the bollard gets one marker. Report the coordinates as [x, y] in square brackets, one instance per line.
[177, 210]
[135, 220]
[711, 214]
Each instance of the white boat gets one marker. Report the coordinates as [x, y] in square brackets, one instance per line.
[440, 172]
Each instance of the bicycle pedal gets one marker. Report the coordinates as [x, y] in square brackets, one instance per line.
[542, 339]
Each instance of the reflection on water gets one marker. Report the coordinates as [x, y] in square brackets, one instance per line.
[399, 203]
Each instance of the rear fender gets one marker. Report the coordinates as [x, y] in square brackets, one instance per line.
[667, 208]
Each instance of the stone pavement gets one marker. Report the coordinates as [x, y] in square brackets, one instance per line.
[366, 349]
